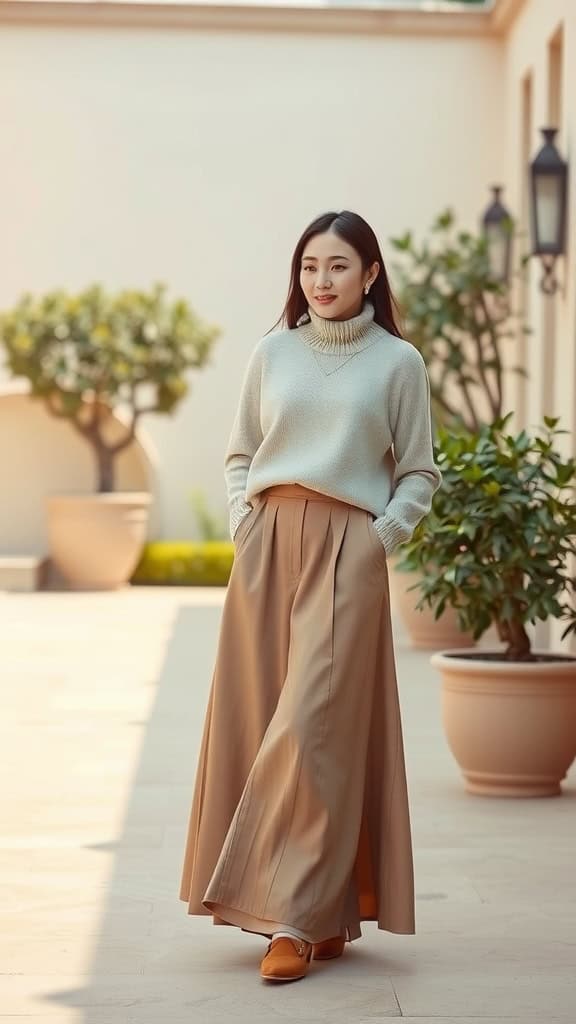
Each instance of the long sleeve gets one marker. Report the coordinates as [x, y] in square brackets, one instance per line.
[245, 438]
[416, 476]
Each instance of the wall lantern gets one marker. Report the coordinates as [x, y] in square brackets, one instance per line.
[548, 181]
[497, 227]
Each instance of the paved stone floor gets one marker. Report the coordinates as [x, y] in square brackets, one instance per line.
[103, 698]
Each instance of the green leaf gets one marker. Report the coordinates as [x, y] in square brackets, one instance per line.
[497, 543]
[492, 488]
[96, 349]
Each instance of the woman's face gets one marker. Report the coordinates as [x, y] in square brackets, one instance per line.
[330, 266]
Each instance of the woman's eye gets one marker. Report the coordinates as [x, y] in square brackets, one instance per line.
[338, 266]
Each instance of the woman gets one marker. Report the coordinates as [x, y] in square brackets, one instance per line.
[300, 827]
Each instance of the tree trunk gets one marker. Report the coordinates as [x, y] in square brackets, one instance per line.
[105, 469]
[519, 649]
[518, 642]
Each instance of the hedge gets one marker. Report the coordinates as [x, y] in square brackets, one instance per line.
[185, 563]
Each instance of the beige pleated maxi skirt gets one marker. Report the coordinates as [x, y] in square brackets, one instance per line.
[300, 817]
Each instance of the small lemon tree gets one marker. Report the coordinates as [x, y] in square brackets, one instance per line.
[88, 353]
[459, 317]
[499, 543]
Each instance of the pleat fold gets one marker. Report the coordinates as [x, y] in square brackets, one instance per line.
[300, 814]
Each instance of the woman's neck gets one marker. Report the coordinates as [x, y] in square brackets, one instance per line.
[329, 335]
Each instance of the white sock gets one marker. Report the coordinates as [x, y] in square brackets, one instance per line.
[288, 935]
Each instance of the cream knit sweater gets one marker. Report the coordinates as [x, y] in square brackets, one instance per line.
[340, 406]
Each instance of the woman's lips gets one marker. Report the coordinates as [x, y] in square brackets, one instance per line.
[325, 301]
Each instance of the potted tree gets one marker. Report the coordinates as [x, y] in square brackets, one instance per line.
[459, 317]
[498, 548]
[86, 356]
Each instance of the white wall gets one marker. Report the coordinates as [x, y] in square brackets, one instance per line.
[197, 157]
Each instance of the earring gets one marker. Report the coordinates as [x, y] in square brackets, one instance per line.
[367, 289]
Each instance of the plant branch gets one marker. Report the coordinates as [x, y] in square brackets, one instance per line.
[493, 336]
[479, 330]
[474, 422]
[60, 414]
[123, 443]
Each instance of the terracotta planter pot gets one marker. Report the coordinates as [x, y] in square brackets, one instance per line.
[424, 631]
[510, 725]
[96, 539]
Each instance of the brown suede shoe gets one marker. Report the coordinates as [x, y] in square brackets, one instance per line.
[329, 948]
[286, 959]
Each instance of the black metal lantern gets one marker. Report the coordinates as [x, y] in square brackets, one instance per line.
[549, 187]
[497, 227]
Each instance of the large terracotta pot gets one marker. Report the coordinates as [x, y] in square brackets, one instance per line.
[510, 725]
[96, 539]
[424, 631]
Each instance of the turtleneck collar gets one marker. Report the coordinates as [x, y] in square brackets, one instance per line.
[327, 335]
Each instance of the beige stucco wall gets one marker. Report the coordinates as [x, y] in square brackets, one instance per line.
[40, 455]
[197, 156]
[549, 353]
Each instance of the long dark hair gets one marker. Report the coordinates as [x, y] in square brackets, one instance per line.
[358, 233]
